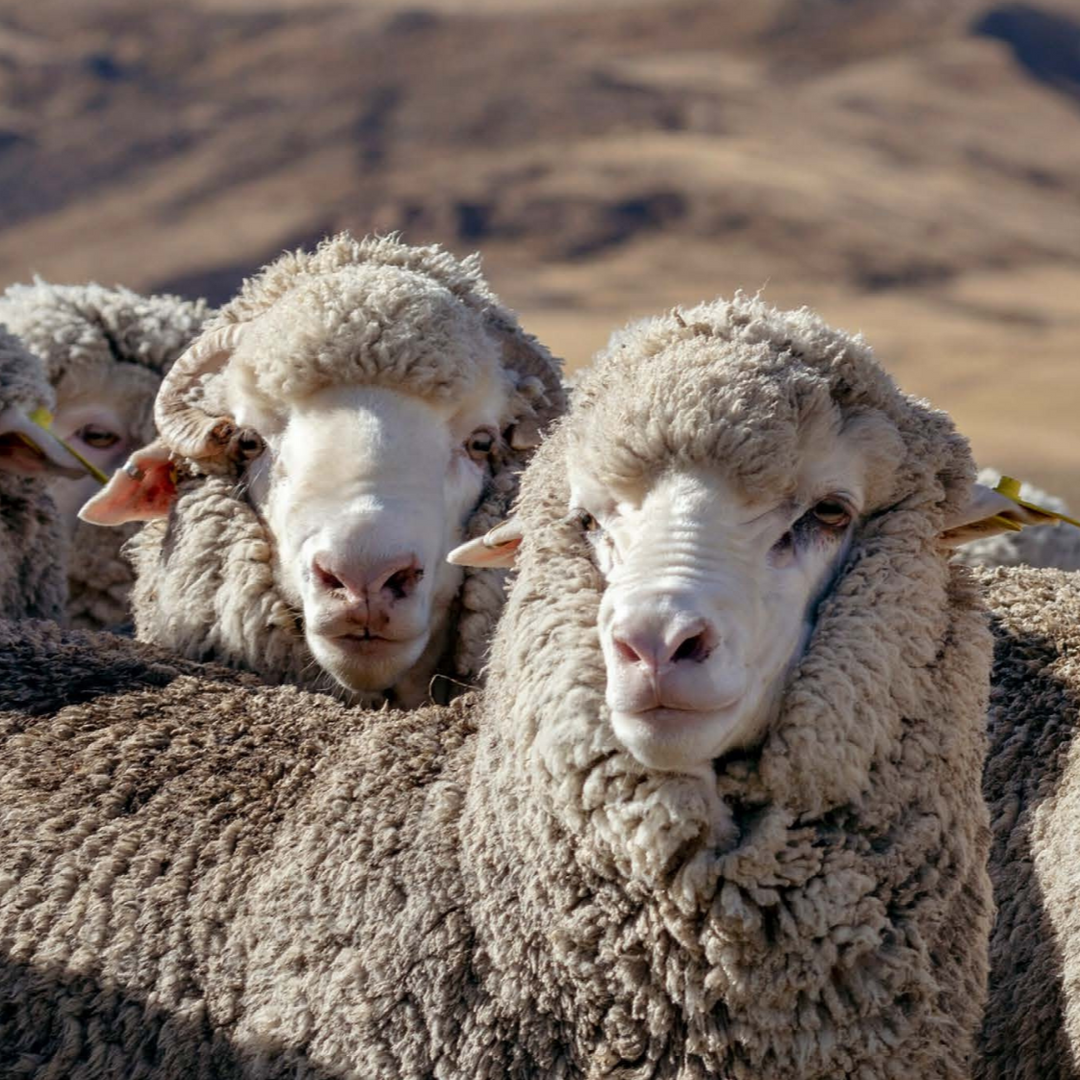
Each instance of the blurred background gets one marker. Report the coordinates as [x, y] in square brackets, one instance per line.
[910, 168]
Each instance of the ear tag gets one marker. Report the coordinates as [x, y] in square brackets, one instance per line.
[43, 418]
[1010, 488]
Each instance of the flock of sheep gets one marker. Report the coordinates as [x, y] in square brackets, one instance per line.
[472, 728]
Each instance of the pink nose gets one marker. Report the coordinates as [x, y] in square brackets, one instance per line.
[656, 648]
[376, 588]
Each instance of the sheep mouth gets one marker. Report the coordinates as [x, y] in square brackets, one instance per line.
[364, 643]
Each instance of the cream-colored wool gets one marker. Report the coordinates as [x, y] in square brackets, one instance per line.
[1032, 785]
[1056, 546]
[33, 547]
[375, 311]
[219, 881]
[109, 344]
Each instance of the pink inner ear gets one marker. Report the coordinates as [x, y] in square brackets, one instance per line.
[126, 499]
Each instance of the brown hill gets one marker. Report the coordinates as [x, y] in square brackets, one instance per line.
[909, 167]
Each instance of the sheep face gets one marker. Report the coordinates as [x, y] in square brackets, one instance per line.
[710, 595]
[105, 420]
[364, 490]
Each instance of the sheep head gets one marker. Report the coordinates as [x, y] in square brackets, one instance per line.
[365, 411]
[716, 480]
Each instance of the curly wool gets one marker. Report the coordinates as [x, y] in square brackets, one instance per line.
[33, 547]
[92, 338]
[375, 311]
[1032, 785]
[496, 889]
[1056, 546]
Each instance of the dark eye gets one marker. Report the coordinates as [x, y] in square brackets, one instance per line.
[832, 513]
[585, 520]
[479, 444]
[97, 437]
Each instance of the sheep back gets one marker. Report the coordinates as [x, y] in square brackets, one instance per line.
[1032, 785]
[144, 794]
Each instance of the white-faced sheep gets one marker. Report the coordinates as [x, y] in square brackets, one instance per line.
[344, 422]
[1057, 547]
[33, 546]
[717, 812]
[105, 351]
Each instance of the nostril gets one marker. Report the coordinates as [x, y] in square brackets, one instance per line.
[325, 577]
[402, 583]
[626, 651]
[697, 642]
[692, 648]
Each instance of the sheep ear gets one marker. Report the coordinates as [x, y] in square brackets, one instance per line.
[497, 547]
[141, 490]
[990, 511]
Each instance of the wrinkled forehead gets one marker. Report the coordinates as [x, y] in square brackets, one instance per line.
[764, 428]
[367, 326]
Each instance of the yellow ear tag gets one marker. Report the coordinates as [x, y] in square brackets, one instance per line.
[43, 418]
[1010, 488]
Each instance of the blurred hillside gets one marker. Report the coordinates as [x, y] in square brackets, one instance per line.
[911, 168]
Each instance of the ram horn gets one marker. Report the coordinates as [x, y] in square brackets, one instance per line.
[187, 429]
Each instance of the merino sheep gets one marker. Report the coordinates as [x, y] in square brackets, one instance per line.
[717, 812]
[1032, 785]
[105, 352]
[1057, 547]
[341, 424]
[33, 547]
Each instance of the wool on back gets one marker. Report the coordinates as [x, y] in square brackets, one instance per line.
[1032, 785]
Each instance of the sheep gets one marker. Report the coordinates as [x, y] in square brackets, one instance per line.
[105, 352]
[341, 424]
[33, 547]
[654, 845]
[1031, 783]
[1054, 547]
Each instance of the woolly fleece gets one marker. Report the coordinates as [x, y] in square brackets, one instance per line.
[224, 882]
[1032, 785]
[372, 311]
[33, 547]
[110, 343]
[1056, 546]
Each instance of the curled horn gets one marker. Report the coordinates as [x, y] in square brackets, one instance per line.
[187, 429]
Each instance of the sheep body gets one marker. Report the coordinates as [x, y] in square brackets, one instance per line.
[1032, 785]
[110, 345]
[1055, 546]
[206, 580]
[497, 888]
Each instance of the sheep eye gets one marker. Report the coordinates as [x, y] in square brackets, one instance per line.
[479, 444]
[97, 437]
[832, 513]
[585, 520]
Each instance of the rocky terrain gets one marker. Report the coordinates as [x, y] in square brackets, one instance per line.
[909, 167]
